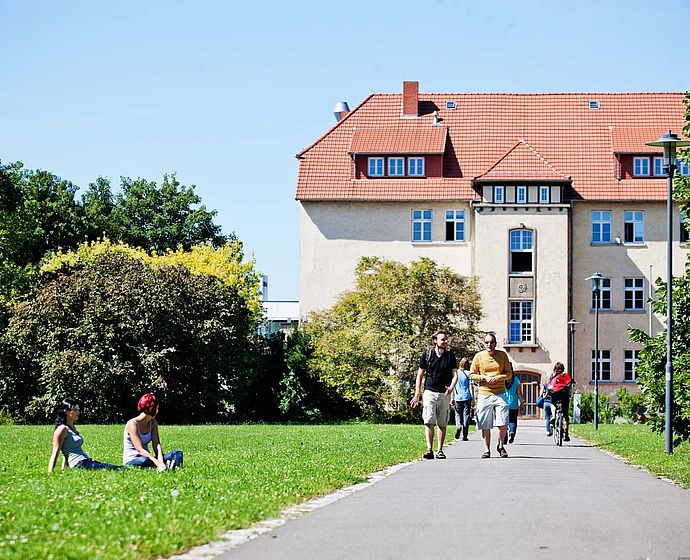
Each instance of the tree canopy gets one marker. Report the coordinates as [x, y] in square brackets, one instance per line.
[368, 344]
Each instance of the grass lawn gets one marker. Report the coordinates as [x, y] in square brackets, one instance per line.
[641, 447]
[233, 476]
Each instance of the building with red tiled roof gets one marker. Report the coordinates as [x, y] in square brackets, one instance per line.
[532, 193]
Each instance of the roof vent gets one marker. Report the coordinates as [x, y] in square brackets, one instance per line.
[593, 104]
[451, 105]
[341, 110]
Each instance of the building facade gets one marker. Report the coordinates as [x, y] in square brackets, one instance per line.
[531, 193]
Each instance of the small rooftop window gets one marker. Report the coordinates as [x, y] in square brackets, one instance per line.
[593, 104]
[451, 105]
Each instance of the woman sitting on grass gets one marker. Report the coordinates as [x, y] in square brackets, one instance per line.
[66, 438]
[142, 430]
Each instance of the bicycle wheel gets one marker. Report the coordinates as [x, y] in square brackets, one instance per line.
[558, 431]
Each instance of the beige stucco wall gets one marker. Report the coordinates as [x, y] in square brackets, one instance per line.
[618, 261]
[334, 236]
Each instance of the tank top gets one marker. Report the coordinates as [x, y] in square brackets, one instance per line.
[71, 448]
[129, 452]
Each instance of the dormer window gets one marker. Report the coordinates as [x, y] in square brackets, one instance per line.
[522, 194]
[396, 166]
[544, 195]
[641, 167]
[499, 194]
[415, 167]
[659, 167]
[375, 167]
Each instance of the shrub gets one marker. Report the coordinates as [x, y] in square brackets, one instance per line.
[631, 405]
[607, 410]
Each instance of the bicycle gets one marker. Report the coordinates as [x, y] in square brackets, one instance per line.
[558, 425]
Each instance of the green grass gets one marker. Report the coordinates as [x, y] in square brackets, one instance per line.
[642, 447]
[233, 476]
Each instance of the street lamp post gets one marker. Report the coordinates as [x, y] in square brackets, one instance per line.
[571, 329]
[669, 142]
[596, 279]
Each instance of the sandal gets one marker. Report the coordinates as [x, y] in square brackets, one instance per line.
[440, 454]
[502, 452]
[428, 455]
[486, 454]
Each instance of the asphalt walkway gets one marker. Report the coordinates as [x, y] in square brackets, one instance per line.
[542, 502]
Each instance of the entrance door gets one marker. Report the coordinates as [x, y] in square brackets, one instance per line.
[530, 387]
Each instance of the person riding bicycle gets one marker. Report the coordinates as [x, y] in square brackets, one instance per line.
[558, 388]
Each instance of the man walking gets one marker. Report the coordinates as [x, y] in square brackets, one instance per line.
[438, 374]
[491, 369]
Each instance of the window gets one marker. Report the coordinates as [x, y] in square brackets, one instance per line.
[630, 365]
[634, 227]
[601, 226]
[520, 322]
[396, 166]
[604, 365]
[544, 195]
[522, 195]
[634, 294]
[415, 167]
[520, 251]
[498, 195]
[659, 168]
[375, 167]
[683, 230]
[455, 225]
[641, 167]
[683, 167]
[604, 296]
[421, 225]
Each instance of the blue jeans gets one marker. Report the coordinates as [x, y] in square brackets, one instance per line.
[547, 414]
[175, 457]
[91, 464]
[463, 411]
[512, 420]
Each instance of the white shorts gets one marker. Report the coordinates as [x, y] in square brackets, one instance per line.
[436, 408]
[492, 410]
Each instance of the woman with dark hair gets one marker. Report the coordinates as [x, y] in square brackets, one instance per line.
[142, 430]
[66, 438]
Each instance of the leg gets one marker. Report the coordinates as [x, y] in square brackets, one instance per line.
[441, 437]
[173, 459]
[466, 413]
[486, 434]
[429, 434]
[547, 415]
[140, 461]
[512, 424]
[502, 413]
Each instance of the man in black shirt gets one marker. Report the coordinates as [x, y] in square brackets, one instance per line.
[438, 374]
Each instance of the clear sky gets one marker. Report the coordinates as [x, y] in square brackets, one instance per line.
[226, 93]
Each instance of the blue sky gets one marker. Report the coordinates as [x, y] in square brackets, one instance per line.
[225, 94]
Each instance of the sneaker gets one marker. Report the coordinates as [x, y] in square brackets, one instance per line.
[465, 439]
[511, 437]
[549, 433]
[566, 437]
[457, 433]
[440, 454]
[428, 455]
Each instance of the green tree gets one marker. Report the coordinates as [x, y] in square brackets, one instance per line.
[367, 345]
[117, 327]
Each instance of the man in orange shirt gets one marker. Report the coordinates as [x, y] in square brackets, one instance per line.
[490, 370]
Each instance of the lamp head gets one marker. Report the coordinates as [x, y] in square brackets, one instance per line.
[669, 142]
[596, 279]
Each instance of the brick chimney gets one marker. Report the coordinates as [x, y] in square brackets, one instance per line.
[410, 94]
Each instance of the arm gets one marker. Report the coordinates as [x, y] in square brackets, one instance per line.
[453, 383]
[155, 441]
[474, 370]
[418, 388]
[131, 428]
[59, 436]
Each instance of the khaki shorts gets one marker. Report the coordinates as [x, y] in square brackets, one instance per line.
[492, 410]
[436, 408]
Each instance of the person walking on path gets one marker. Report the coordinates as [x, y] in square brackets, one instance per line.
[515, 405]
[438, 375]
[462, 401]
[491, 370]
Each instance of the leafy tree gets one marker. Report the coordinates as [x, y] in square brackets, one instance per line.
[367, 345]
[117, 327]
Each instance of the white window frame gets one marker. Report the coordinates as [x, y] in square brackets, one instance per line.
[457, 219]
[683, 167]
[521, 246]
[499, 194]
[415, 166]
[396, 166]
[600, 218]
[521, 194]
[604, 296]
[658, 167]
[422, 222]
[641, 167]
[522, 318]
[604, 364]
[634, 218]
[630, 359]
[544, 195]
[375, 167]
[633, 290]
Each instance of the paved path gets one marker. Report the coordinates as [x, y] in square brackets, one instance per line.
[542, 502]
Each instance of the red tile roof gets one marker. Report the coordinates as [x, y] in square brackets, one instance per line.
[411, 137]
[520, 136]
